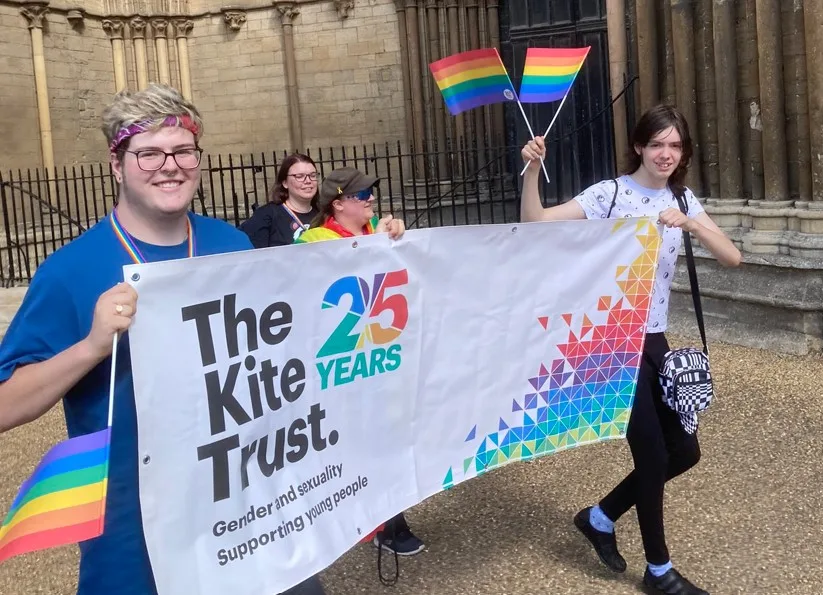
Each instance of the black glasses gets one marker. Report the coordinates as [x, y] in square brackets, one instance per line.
[154, 159]
[302, 177]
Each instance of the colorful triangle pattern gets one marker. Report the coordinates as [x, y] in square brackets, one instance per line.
[586, 394]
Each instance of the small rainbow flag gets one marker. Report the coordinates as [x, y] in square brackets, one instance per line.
[549, 73]
[64, 500]
[472, 79]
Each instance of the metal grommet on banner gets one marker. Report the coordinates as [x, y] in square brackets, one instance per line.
[354, 244]
[146, 460]
[514, 229]
[135, 277]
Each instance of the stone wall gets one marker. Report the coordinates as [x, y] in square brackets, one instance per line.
[238, 83]
[770, 302]
[749, 80]
[348, 73]
[18, 118]
[79, 78]
[346, 56]
[348, 78]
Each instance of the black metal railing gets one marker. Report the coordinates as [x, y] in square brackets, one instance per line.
[42, 211]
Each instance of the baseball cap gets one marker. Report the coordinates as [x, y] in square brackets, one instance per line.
[343, 181]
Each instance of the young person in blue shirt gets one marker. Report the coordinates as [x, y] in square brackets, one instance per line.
[59, 344]
[662, 449]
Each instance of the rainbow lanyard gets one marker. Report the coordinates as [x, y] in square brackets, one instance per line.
[294, 217]
[131, 248]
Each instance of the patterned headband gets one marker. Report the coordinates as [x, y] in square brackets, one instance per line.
[128, 131]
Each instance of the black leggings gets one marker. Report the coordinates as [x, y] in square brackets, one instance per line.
[661, 450]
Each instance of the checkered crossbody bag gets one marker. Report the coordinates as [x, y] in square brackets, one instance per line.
[685, 373]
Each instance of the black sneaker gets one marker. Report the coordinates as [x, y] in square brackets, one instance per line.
[605, 544]
[671, 583]
[402, 543]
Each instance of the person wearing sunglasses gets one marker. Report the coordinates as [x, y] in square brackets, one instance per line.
[291, 208]
[346, 209]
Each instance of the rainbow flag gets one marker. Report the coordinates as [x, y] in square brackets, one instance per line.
[472, 79]
[64, 500]
[550, 72]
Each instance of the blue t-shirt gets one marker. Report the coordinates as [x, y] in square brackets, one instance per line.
[56, 313]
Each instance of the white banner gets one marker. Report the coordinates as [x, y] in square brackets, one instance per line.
[291, 399]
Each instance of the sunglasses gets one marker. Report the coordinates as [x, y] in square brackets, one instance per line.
[363, 195]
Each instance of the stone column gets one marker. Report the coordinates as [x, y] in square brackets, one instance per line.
[685, 87]
[667, 86]
[748, 85]
[728, 137]
[770, 217]
[35, 14]
[288, 12]
[706, 96]
[400, 7]
[456, 123]
[493, 20]
[809, 221]
[813, 17]
[797, 104]
[182, 28]
[161, 47]
[453, 18]
[648, 67]
[618, 68]
[141, 64]
[769, 45]
[717, 85]
[416, 83]
[477, 114]
[438, 113]
[114, 29]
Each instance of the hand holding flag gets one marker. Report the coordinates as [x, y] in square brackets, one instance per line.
[535, 149]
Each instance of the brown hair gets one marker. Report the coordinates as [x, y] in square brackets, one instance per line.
[278, 194]
[652, 122]
[322, 215]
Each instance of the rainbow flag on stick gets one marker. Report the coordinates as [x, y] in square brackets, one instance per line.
[549, 73]
[64, 500]
[472, 79]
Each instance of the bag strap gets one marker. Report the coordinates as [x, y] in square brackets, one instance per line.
[614, 198]
[698, 307]
[294, 218]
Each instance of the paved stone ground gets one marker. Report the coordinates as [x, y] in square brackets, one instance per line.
[747, 520]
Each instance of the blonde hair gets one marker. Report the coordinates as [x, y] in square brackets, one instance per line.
[150, 106]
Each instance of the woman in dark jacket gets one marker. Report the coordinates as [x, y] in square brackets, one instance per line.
[291, 206]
